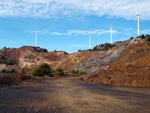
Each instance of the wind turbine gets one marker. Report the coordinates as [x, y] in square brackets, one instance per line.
[138, 22]
[118, 33]
[111, 33]
[90, 40]
[36, 38]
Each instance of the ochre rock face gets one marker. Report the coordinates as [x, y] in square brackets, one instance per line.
[132, 68]
[27, 57]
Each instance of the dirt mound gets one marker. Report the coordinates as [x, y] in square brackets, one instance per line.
[7, 80]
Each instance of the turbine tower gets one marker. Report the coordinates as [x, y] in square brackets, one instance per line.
[118, 33]
[36, 38]
[138, 22]
[111, 33]
[90, 40]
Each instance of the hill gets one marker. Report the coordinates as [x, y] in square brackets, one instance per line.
[132, 68]
[121, 63]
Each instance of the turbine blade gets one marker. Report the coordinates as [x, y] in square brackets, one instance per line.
[135, 20]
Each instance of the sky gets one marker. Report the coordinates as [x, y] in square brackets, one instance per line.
[65, 24]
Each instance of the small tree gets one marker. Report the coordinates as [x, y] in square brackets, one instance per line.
[142, 36]
[59, 71]
[42, 70]
[13, 71]
[80, 72]
[148, 39]
[147, 35]
[131, 38]
[4, 71]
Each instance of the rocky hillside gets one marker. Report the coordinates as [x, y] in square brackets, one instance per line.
[27, 58]
[131, 68]
[116, 63]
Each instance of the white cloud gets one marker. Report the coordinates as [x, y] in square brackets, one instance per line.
[125, 32]
[147, 31]
[129, 29]
[57, 33]
[57, 8]
[84, 32]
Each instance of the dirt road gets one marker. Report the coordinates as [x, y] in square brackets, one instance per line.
[70, 95]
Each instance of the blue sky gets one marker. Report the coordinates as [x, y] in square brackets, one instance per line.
[65, 24]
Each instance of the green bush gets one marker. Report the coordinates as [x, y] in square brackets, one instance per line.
[148, 39]
[59, 71]
[42, 70]
[95, 49]
[142, 36]
[4, 71]
[131, 38]
[11, 63]
[77, 72]
[80, 73]
[147, 35]
[13, 71]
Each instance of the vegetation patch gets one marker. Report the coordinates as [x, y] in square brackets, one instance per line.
[102, 47]
[148, 38]
[59, 71]
[13, 71]
[12, 63]
[40, 50]
[42, 70]
[77, 72]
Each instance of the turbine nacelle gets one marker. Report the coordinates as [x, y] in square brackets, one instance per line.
[137, 14]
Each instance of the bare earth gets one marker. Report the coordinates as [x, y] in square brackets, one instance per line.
[70, 95]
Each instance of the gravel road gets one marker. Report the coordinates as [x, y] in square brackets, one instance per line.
[70, 95]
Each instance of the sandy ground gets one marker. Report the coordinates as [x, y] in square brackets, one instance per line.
[70, 95]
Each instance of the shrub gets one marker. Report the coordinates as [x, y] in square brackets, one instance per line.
[23, 71]
[80, 73]
[45, 51]
[13, 71]
[77, 72]
[95, 49]
[66, 53]
[17, 83]
[42, 70]
[147, 35]
[79, 50]
[40, 50]
[131, 38]
[59, 71]
[142, 36]
[102, 45]
[12, 63]
[148, 39]
[4, 71]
